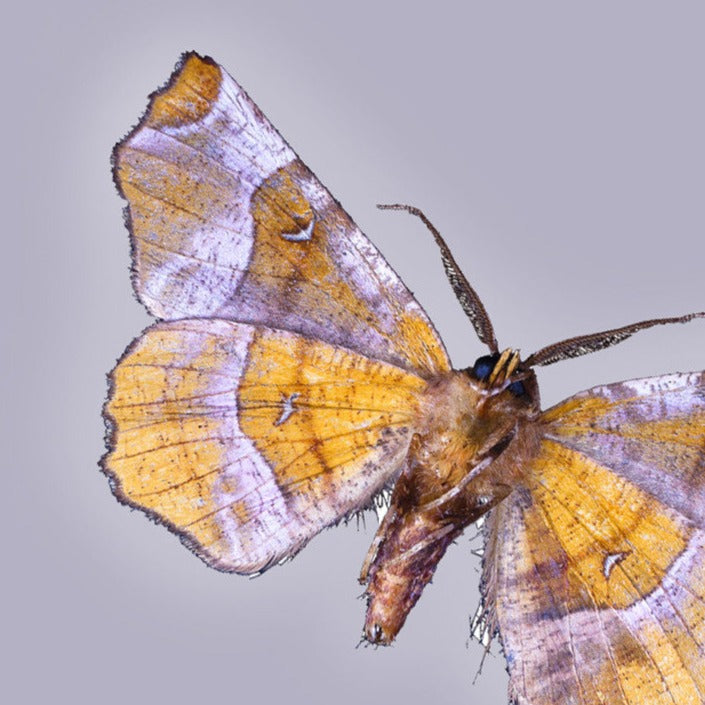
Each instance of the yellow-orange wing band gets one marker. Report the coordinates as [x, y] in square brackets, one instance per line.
[595, 568]
[247, 441]
[227, 222]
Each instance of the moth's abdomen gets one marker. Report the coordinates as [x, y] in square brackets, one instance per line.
[404, 564]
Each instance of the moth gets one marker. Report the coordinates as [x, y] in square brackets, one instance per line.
[291, 378]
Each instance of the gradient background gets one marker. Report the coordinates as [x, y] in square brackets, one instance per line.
[561, 152]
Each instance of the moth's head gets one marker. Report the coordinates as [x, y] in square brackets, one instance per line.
[505, 374]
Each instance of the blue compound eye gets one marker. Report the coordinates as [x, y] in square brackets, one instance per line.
[484, 365]
[517, 389]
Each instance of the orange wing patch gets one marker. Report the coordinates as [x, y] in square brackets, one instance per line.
[190, 96]
[247, 442]
[619, 542]
[309, 410]
[227, 222]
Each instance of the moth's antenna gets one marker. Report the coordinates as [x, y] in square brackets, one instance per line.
[584, 344]
[466, 295]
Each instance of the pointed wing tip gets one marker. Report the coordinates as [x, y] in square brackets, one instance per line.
[186, 96]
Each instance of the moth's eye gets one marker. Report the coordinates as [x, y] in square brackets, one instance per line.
[517, 389]
[483, 366]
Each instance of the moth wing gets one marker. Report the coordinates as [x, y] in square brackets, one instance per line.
[247, 441]
[595, 569]
[227, 222]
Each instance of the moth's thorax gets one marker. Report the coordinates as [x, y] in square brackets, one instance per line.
[464, 424]
[471, 441]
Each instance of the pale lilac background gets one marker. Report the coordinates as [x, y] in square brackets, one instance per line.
[559, 150]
